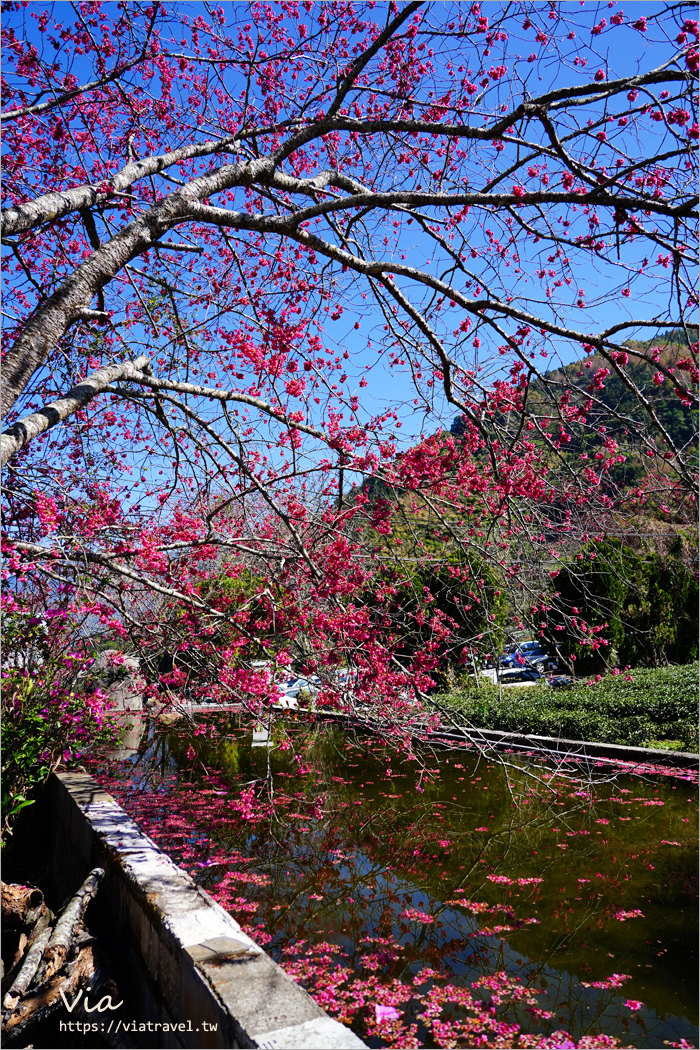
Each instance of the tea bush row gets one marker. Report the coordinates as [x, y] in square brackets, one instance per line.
[657, 708]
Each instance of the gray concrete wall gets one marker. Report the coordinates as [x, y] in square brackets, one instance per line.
[182, 960]
[576, 750]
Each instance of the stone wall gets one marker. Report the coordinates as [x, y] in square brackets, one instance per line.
[181, 959]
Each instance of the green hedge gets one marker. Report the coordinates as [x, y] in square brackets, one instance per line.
[658, 708]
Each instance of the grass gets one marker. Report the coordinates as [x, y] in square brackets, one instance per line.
[657, 708]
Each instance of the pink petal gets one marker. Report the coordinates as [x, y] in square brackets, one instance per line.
[385, 1013]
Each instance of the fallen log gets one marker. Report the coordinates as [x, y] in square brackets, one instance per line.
[65, 930]
[26, 940]
[39, 1006]
[20, 905]
[52, 966]
[27, 971]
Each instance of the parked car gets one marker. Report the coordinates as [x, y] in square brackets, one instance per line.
[529, 654]
[290, 688]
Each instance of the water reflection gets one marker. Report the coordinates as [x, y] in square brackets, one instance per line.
[362, 869]
[131, 727]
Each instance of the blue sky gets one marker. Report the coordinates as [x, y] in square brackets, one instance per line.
[626, 51]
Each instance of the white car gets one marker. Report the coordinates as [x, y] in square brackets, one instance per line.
[290, 688]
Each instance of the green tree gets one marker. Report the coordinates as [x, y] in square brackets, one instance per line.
[633, 607]
[454, 606]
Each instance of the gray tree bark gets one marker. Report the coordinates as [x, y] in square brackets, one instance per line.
[18, 435]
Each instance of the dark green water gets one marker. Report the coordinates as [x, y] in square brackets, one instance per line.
[340, 842]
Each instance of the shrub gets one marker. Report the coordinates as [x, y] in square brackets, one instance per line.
[51, 715]
[658, 704]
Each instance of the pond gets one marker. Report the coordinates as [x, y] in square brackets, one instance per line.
[437, 899]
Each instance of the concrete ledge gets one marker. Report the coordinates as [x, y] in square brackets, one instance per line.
[572, 749]
[191, 964]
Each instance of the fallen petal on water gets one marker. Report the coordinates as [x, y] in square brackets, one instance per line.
[385, 1013]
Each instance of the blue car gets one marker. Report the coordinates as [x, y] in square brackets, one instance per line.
[528, 654]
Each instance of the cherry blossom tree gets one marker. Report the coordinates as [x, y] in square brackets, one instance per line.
[260, 256]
